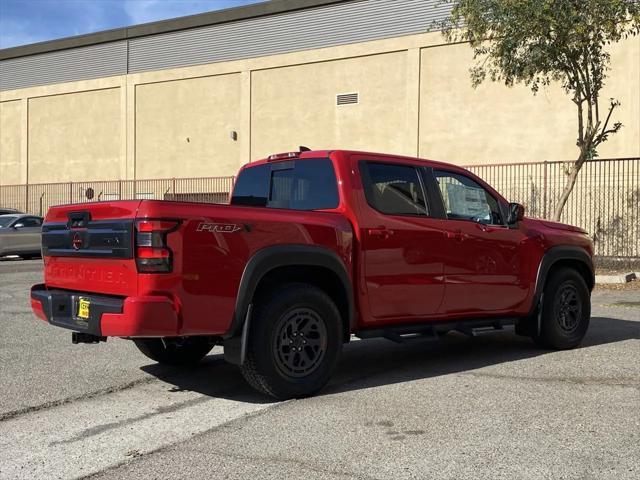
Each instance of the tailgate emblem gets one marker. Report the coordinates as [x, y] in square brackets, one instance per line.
[76, 243]
[218, 227]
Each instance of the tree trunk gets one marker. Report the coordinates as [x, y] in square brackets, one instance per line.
[568, 188]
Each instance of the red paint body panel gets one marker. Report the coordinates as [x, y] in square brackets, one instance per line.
[426, 269]
[142, 316]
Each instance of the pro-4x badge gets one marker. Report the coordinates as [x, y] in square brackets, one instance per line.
[218, 227]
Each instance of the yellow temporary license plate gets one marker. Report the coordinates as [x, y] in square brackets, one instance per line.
[83, 308]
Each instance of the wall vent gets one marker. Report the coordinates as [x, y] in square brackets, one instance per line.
[347, 99]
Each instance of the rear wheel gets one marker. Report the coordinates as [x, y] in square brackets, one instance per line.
[181, 351]
[295, 342]
[566, 310]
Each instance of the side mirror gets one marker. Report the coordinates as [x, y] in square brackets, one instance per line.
[516, 213]
[18, 225]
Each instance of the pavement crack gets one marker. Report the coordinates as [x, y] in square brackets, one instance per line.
[299, 463]
[56, 403]
[592, 381]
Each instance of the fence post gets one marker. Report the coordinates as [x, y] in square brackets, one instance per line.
[26, 198]
[70, 192]
[173, 188]
[544, 192]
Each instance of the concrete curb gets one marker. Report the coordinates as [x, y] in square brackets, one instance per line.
[611, 279]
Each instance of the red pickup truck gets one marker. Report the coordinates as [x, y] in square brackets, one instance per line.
[315, 246]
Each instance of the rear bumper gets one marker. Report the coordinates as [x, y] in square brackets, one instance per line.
[145, 316]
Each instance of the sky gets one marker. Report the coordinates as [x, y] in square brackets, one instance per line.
[29, 21]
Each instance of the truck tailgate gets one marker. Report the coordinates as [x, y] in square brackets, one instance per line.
[89, 247]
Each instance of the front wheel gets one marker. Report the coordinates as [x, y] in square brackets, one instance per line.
[295, 342]
[566, 310]
[181, 351]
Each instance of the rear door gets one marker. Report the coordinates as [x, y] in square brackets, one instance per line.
[485, 266]
[401, 242]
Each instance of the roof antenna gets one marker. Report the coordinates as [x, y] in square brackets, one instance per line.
[304, 149]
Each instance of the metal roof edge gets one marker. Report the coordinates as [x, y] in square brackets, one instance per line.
[272, 7]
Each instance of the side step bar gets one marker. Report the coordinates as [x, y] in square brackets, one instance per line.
[472, 328]
[401, 334]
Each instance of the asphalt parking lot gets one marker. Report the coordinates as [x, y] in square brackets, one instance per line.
[491, 407]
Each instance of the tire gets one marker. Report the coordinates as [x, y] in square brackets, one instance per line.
[185, 351]
[566, 310]
[294, 343]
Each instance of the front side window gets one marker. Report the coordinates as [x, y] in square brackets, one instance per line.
[393, 189]
[308, 184]
[6, 220]
[465, 199]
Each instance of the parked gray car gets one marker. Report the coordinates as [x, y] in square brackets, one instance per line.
[20, 235]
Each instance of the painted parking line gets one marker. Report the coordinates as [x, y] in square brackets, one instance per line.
[88, 436]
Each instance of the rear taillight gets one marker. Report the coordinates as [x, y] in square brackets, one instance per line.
[153, 255]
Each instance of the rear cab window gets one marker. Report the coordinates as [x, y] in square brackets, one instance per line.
[303, 184]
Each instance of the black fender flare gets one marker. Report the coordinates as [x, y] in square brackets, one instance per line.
[269, 258]
[553, 256]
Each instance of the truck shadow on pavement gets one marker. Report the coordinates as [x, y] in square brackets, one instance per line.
[378, 362]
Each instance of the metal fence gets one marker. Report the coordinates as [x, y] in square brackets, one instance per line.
[605, 200]
[37, 198]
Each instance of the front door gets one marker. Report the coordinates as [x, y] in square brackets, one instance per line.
[485, 266]
[26, 236]
[401, 243]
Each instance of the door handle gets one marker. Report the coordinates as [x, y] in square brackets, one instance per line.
[484, 228]
[380, 232]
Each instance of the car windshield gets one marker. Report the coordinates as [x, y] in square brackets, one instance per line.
[6, 220]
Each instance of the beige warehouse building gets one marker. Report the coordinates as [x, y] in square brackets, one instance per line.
[199, 96]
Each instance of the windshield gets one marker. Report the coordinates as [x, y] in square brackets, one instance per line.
[6, 220]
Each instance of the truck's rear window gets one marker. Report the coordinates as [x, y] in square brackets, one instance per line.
[308, 184]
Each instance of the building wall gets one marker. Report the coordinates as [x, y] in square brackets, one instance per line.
[184, 127]
[74, 136]
[497, 124]
[415, 99]
[297, 105]
[10, 156]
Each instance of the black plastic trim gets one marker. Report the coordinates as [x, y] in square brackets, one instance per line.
[270, 258]
[435, 327]
[433, 193]
[59, 307]
[99, 239]
[553, 256]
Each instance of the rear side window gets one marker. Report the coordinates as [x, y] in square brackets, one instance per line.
[296, 185]
[393, 189]
[31, 222]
